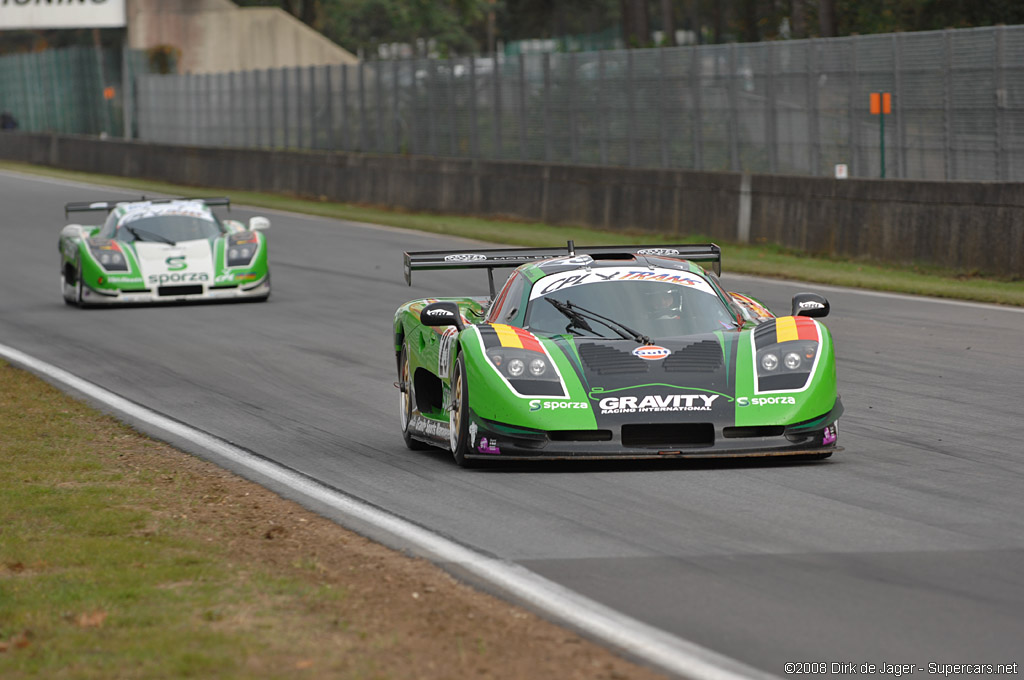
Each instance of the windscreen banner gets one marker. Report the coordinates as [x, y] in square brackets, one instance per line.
[30, 14]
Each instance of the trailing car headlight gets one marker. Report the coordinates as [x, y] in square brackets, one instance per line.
[240, 252]
[110, 258]
[785, 366]
[529, 372]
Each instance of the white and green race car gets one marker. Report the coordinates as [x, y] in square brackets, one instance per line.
[162, 250]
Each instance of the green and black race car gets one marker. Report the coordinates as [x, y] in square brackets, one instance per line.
[162, 250]
[612, 352]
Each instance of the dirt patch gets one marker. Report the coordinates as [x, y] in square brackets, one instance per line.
[389, 616]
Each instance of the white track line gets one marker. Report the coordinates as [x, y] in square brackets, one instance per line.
[634, 638]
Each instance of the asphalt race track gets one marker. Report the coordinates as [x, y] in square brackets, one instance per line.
[906, 548]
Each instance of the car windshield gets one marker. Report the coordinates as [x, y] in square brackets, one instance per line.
[168, 228]
[656, 304]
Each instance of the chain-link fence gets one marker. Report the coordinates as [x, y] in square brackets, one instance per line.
[793, 107]
[72, 90]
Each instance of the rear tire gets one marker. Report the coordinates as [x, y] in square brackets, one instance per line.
[458, 417]
[406, 401]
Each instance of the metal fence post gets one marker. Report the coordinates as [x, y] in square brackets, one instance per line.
[474, 133]
[396, 120]
[999, 101]
[602, 114]
[346, 142]
[546, 107]
[379, 128]
[271, 119]
[630, 111]
[412, 113]
[696, 78]
[522, 107]
[854, 106]
[771, 122]
[452, 129]
[496, 77]
[813, 110]
[947, 102]
[663, 96]
[733, 126]
[570, 98]
[314, 136]
[899, 128]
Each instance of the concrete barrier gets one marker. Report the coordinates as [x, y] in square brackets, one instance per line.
[968, 226]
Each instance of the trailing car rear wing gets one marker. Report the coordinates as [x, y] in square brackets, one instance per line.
[107, 206]
[493, 258]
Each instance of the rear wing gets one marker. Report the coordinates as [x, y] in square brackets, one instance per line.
[491, 259]
[107, 206]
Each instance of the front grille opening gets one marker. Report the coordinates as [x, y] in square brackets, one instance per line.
[669, 435]
[580, 435]
[179, 290]
[753, 431]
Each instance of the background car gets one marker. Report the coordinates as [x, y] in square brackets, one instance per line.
[162, 250]
[612, 352]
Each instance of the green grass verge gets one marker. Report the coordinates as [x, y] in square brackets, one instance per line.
[762, 260]
[101, 575]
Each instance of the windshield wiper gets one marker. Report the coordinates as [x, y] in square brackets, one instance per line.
[578, 315]
[137, 233]
[575, 319]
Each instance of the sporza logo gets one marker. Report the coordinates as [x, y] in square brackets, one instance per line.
[184, 277]
[537, 404]
[765, 401]
[176, 263]
[465, 257]
[811, 304]
[657, 251]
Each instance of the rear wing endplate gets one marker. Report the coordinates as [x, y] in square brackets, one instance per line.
[107, 206]
[493, 258]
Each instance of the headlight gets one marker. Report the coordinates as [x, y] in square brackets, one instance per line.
[111, 258]
[785, 366]
[527, 371]
[516, 367]
[240, 253]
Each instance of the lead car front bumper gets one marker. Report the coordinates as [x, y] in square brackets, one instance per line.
[816, 438]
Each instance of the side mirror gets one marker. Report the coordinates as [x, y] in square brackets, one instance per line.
[258, 223]
[71, 231]
[442, 314]
[810, 304]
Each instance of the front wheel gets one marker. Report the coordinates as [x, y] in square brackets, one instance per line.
[458, 416]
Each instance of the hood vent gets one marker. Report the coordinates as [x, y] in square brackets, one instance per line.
[605, 360]
[700, 357]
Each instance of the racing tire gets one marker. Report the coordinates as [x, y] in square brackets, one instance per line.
[79, 297]
[406, 401]
[458, 416]
[70, 302]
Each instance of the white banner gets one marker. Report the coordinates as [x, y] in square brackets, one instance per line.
[62, 14]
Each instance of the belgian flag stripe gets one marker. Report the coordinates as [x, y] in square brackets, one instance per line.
[529, 340]
[785, 329]
[806, 328]
[507, 335]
